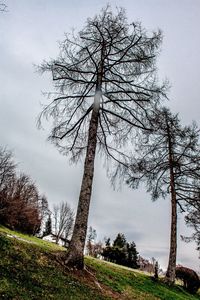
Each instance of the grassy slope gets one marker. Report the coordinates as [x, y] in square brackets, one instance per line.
[31, 271]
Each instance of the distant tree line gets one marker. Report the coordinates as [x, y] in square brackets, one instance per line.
[120, 251]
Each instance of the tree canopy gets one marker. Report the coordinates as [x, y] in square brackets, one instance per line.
[169, 145]
[109, 64]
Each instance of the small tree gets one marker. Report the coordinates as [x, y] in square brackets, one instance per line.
[63, 217]
[97, 249]
[132, 256]
[145, 265]
[90, 240]
[7, 173]
[168, 161]
[156, 270]
[48, 226]
[7, 167]
[106, 87]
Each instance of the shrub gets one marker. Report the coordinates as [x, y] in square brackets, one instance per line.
[189, 277]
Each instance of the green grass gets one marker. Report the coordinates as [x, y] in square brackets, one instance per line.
[29, 270]
[135, 283]
[48, 246]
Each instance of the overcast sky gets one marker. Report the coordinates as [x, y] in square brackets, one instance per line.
[29, 33]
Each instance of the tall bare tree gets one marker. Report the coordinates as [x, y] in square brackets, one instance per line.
[168, 161]
[105, 86]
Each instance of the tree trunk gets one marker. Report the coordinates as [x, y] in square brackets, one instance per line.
[171, 270]
[75, 255]
[170, 275]
[57, 238]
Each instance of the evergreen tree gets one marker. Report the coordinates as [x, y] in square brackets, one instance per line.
[132, 256]
[121, 252]
[120, 241]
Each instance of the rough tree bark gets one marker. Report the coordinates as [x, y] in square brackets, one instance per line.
[171, 269]
[76, 249]
[170, 275]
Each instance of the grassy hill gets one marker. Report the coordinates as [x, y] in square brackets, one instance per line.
[31, 269]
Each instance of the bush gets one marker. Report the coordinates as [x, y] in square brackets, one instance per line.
[190, 279]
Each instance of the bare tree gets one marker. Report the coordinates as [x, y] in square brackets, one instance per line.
[7, 172]
[91, 236]
[168, 161]
[63, 219]
[45, 213]
[7, 166]
[105, 87]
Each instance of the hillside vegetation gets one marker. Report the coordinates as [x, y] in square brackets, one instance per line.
[31, 269]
